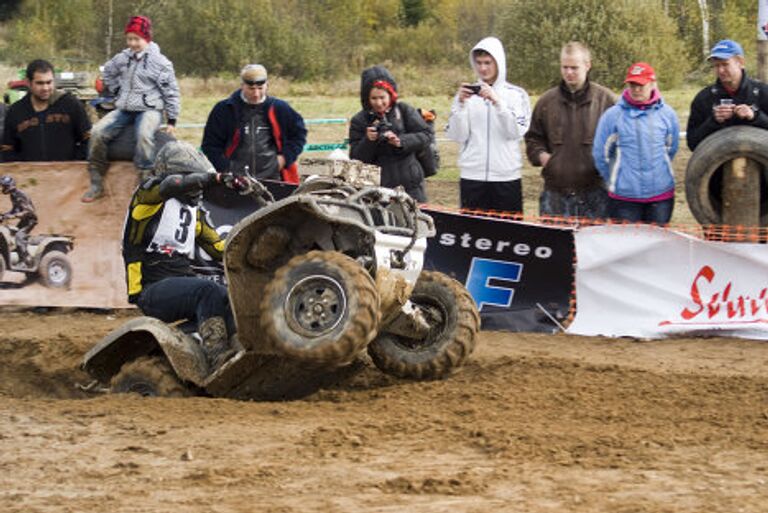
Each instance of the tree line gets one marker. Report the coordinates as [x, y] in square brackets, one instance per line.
[324, 39]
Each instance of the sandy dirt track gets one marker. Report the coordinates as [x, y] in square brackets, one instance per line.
[535, 423]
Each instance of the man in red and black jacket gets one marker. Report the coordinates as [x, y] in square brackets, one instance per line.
[253, 133]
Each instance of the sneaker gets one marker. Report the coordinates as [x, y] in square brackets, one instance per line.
[92, 194]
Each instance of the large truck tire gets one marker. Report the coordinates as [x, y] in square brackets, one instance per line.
[321, 306]
[704, 174]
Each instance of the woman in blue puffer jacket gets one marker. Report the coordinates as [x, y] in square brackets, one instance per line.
[633, 149]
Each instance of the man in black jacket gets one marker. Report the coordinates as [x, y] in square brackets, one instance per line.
[734, 99]
[253, 133]
[46, 124]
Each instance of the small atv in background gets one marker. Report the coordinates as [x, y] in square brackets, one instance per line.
[314, 280]
[48, 253]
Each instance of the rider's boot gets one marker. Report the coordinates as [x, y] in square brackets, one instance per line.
[216, 345]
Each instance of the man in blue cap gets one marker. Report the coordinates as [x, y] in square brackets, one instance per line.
[734, 99]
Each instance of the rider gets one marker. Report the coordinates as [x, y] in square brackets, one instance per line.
[165, 220]
[22, 209]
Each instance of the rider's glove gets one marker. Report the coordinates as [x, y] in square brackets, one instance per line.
[236, 183]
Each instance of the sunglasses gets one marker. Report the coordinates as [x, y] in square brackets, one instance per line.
[254, 82]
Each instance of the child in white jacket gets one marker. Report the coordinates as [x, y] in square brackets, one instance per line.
[488, 119]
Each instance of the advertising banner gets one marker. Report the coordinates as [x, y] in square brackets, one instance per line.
[762, 20]
[91, 273]
[513, 270]
[650, 282]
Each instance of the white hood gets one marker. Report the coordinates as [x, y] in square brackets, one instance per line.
[494, 47]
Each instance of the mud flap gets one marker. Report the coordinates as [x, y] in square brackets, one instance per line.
[139, 337]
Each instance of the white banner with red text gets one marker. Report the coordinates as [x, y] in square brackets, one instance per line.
[649, 282]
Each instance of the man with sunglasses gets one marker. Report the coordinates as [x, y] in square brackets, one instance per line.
[254, 133]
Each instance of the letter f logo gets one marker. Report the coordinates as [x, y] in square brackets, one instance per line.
[482, 271]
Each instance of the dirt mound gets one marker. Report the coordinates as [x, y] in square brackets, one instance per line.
[535, 423]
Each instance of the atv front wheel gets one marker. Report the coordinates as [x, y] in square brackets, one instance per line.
[148, 376]
[55, 270]
[454, 322]
[321, 306]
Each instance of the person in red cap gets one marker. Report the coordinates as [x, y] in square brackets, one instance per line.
[144, 84]
[634, 145]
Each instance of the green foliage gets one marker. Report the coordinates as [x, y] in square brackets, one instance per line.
[311, 39]
[413, 12]
[619, 33]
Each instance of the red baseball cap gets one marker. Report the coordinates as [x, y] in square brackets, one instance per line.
[640, 73]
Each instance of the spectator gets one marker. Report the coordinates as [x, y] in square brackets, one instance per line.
[145, 85]
[560, 139]
[45, 124]
[254, 133]
[23, 210]
[635, 143]
[389, 133]
[165, 221]
[734, 98]
[488, 119]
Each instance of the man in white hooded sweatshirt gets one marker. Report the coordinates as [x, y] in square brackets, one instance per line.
[488, 119]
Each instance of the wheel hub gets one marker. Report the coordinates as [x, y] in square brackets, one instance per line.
[57, 273]
[315, 306]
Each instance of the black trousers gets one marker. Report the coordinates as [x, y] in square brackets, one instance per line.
[177, 298]
[500, 196]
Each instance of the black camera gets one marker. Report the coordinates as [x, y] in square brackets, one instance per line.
[475, 88]
[382, 126]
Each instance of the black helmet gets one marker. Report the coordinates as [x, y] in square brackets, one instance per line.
[7, 183]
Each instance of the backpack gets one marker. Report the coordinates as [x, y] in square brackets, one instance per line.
[429, 157]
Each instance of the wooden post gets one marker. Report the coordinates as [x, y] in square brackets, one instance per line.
[741, 192]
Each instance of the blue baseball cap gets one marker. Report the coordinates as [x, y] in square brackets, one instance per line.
[726, 49]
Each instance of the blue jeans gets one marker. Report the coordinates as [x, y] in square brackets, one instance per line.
[591, 204]
[145, 124]
[657, 212]
[178, 298]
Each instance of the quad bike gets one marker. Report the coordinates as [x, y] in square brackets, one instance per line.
[314, 280]
[48, 253]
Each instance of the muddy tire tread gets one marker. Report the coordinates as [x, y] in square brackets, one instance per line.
[393, 359]
[152, 369]
[363, 317]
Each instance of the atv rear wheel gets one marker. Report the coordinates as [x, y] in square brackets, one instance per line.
[454, 320]
[148, 376]
[322, 306]
[55, 270]
[2, 266]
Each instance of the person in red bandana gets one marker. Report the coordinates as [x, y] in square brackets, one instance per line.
[389, 133]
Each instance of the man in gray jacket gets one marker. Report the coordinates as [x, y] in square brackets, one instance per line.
[145, 85]
[560, 139]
